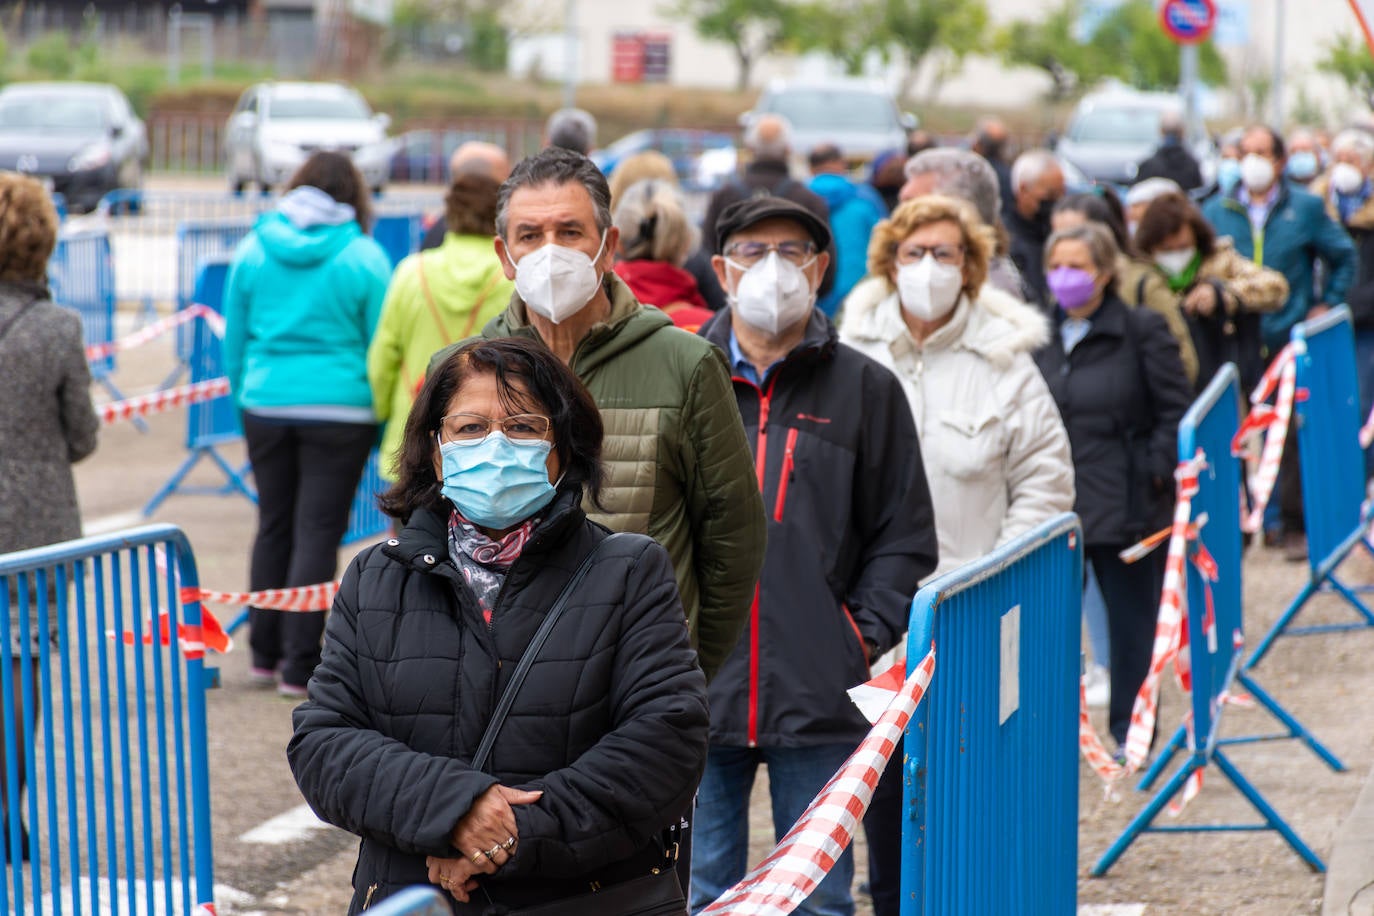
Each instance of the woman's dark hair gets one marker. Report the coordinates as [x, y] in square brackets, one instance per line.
[1100, 206]
[336, 175]
[529, 379]
[1166, 215]
[470, 205]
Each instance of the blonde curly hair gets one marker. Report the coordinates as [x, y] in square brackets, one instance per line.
[28, 228]
[979, 240]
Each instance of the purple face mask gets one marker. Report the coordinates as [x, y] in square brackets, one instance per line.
[1073, 288]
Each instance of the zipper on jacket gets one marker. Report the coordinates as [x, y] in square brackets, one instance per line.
[760, 466]
[367, 901]
[863, 646]
[786, 476]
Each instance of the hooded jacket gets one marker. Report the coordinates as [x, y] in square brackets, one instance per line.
[1296, 234]
[610, 724]
[850, 536]
[1121, 392]
[1173, 161]
[300, 305]
[678, 465]
[436, 298]
[996, 454]
[854, 211]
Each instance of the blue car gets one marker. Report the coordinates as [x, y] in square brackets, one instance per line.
[685, 147]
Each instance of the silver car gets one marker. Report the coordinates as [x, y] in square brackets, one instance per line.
[859, 116]
[275, 127]
[1113, 130]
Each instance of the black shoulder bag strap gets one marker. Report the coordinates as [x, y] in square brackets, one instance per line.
[5, 328]
[498, 718]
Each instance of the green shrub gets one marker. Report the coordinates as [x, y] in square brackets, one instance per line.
[50, 56]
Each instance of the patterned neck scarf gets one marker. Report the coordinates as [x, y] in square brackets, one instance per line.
[484, 562]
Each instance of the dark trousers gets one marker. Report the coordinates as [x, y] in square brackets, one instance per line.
[306, 475]
[1289, 483]
[883, 828]
[1131, 592]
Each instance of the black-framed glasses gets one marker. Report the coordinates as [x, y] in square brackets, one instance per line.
[473, 427]
[747, 254]
[952, 255]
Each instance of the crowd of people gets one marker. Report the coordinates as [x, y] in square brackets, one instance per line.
[792, 414]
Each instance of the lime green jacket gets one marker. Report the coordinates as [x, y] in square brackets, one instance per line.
[436, 298]
[678, 465]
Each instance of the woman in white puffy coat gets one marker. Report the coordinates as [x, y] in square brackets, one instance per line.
[996, 454]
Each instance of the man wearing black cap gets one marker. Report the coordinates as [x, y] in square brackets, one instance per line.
[850, 534]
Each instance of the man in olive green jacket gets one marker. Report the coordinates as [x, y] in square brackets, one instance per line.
[679, 464]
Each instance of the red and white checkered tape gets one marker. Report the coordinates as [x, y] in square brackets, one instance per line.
[303, 598]
[779, 883]
[152, 332]
[162, 401]
[204, 909]
[1170, 639]
[1279, 381]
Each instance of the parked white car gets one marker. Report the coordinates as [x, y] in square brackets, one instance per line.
[277, 126]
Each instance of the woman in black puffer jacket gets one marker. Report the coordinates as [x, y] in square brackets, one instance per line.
[606, 740]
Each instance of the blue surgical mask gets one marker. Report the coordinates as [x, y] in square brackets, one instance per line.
[497, 483]
[1302, 166]
[1228, 175]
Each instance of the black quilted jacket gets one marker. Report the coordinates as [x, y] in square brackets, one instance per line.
[611, 723]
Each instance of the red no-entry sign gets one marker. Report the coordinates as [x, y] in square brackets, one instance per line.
[1188, 21]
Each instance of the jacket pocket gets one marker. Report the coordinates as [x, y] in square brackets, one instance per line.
[788, 463]
[858, 640]
[969, 445]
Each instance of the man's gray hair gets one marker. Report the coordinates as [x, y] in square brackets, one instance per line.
[1030, 166]
[769, 137]
[963, 174]
[571, 128]
[555, 166]
[1354, 141]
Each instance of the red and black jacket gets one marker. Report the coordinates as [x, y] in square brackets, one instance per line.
[851, 533]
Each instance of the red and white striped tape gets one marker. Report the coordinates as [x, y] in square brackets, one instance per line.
[1170, 638]
[810, 849]
[304, 598]
[1367, 431]
[1279, 381]
[161, 401]
[155, 330]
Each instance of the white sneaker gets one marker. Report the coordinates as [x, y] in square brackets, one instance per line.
[1097, 686]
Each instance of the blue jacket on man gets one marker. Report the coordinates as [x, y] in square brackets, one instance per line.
[1296, 234]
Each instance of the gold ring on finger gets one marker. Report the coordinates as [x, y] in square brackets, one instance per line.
[477, 858]
[491, 853]
[509, 844]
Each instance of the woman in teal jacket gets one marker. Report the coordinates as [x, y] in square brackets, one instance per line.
[303, 298]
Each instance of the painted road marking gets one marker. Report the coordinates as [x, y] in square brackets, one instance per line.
[1112, 909]
[294, 825]
[117, 522]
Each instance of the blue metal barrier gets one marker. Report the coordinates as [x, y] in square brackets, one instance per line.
[117, 801]
[197, 242]
[1215, 656]
[1327, 413]
[991, 772]
[399, 234]
[367, 520]
[413, 901]
[81, 274]
[209, 424]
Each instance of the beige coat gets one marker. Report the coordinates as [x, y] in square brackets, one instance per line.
[995, 451]
[1245, 284]
[1140, 283]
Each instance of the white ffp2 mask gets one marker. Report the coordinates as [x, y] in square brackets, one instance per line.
[928, 289]
[557, 282]
[773, 295]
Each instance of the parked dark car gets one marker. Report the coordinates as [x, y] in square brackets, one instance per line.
[84, 138]
[423, 154]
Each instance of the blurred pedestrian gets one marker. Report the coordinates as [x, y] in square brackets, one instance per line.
[850, 537]
[300, 306]
[919, 140]
[436, 298]
[768, 140]
[1276, 223]
[47, 424]
[1037, 184]
[1137, 282]
[475, 158]
[854, 210]
[1140, 195]
[651, 164]
[603, 742]
[1228, 165]
[995, 452]
[1306, 158]
[656, 237]
[887, 177]
[571, 129]
[990, 139]
[1349, 196]
[1114, 371]
[1171, 159]
[1222, 294]
[968, 176]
